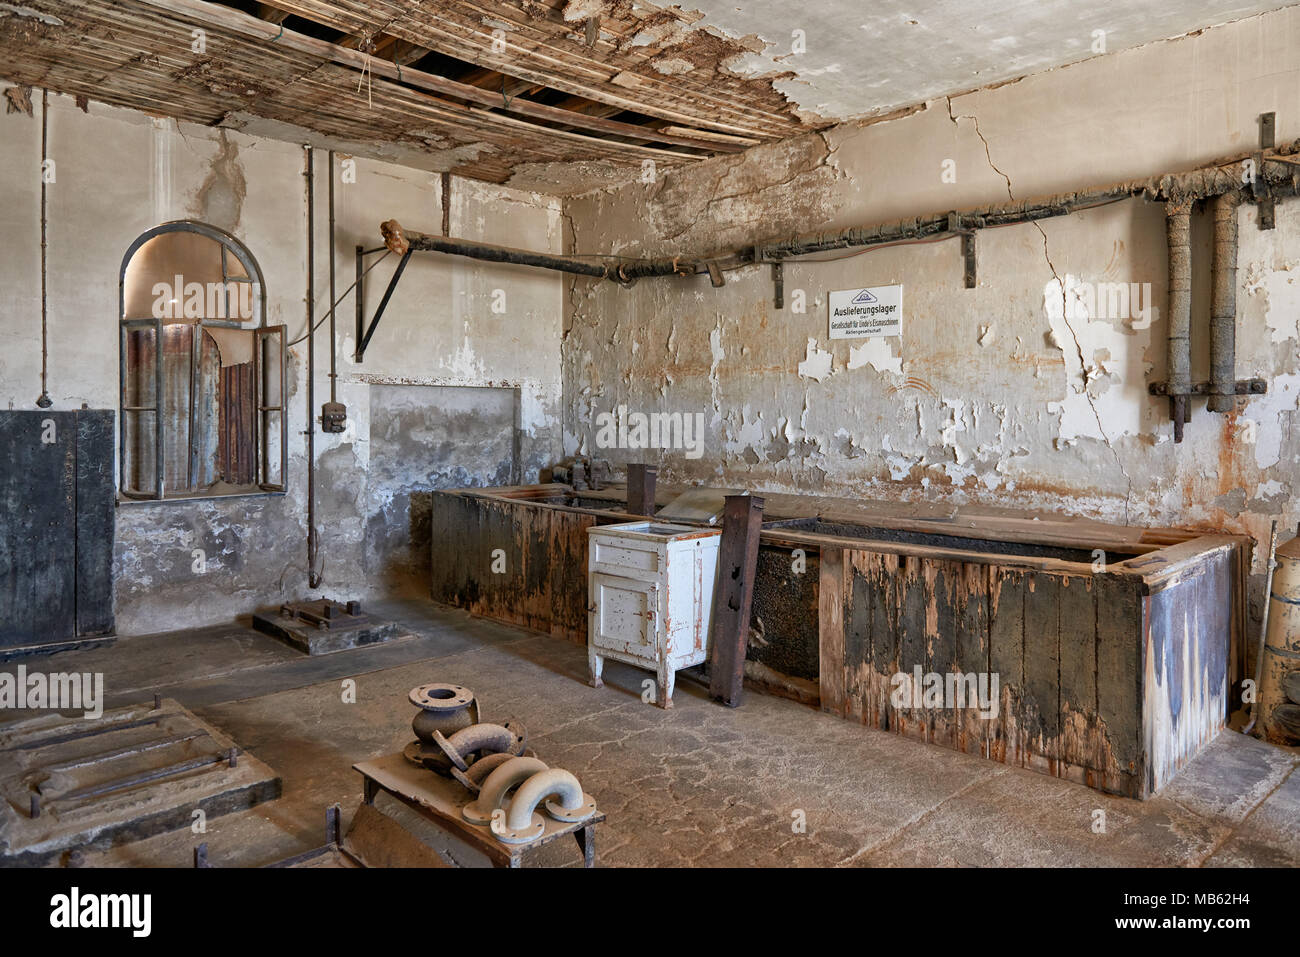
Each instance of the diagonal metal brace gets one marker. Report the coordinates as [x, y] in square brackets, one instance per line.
[383, 304]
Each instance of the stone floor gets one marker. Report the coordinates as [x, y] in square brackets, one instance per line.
[698, 785]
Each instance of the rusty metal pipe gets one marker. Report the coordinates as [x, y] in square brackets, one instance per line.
[497, 784]
[1178, 229]
[1223, 306]
[493, 738]
[401, 241]
[313, 577]
[1263, 625]
[1277, 169]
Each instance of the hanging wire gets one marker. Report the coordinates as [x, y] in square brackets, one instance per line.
[318, 322]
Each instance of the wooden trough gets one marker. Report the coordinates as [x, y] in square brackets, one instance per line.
[1114, 649]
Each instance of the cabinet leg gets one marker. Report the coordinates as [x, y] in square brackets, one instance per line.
[667, 679]
[597, 664]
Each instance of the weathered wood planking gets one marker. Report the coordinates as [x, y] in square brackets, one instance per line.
[56, 504]
[543, 557]
[1184, 687]
[1089, 666]
[831, 635]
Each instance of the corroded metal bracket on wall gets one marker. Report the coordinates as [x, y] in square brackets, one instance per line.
[1259, 187]
[364, 332]
[967, 249]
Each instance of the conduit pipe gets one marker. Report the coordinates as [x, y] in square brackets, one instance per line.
[1223, 306]
[497, 785]
[313, 576]
[1275, 168]
[1178, 228]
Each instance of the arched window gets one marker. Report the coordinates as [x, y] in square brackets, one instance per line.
[202, 374]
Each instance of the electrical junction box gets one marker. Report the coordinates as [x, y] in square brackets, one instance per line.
[333, 417]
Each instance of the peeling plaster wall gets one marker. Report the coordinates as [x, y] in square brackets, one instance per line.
[994, 395]
[118, 173]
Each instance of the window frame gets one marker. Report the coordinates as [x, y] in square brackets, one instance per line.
[262, 335]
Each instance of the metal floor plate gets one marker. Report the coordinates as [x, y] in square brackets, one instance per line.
[69, 783]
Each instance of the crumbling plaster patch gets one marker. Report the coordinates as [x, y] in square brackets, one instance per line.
[987, 397]
[125, 170]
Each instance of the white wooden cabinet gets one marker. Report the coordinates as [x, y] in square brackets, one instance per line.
[650, 586]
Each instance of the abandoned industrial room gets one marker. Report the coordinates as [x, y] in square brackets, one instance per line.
[591, 433]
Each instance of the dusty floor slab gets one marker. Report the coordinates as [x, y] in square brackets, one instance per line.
[772, 783]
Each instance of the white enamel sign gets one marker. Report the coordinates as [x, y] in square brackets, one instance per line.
[866, 313]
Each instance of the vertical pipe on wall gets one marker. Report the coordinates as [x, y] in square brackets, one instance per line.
[1223, 306]
[334, 372]
[313, 578]
[45, 401]
[1178, 227]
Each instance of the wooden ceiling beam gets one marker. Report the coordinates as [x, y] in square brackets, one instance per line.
[236, 21]
[271, 14]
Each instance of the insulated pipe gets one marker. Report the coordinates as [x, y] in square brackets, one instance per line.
[1223, 306]
[1278, 169]
[494, 789]
[552, 783]
[1178, 228]
[401, 242]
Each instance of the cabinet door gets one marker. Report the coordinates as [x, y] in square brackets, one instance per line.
[624, 615]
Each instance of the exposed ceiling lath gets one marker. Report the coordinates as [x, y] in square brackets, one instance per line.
[480, 90]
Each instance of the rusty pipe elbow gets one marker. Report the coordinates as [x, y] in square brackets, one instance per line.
[492, 738]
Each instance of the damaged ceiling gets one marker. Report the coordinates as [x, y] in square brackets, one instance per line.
[850, 59]
[561, 96]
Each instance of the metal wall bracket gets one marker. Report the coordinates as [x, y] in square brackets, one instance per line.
[778, 285]
[1259, 189]
[967, 249]
[1243, 387]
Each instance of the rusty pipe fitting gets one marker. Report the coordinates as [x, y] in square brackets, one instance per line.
[492, 738]
[573, 805]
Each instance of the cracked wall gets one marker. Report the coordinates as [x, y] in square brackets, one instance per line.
[454, 331]
[1027, 391]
